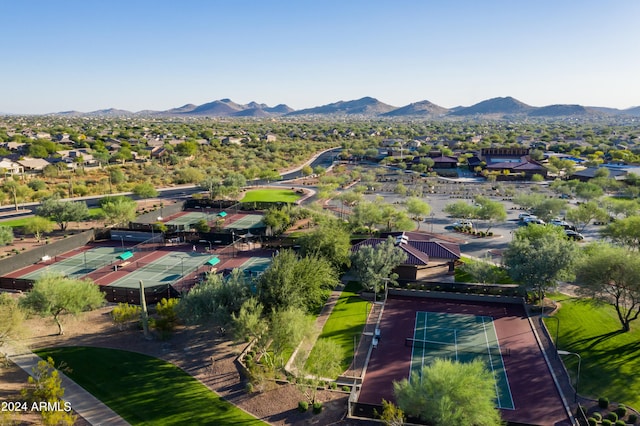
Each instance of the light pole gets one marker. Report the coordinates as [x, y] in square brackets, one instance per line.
[575, 397]
[432, 216]
[122, 242]
[233, 243]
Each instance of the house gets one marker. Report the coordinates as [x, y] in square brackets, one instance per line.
[589, 173]
[427, 257]
[230, 140]
[444, 162]
[33, 164]
[77, 156]
[524, 167]
[9, 167]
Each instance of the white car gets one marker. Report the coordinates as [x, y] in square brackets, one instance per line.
[559, 222]
[533, 219]
[463, 223]
[523, 216]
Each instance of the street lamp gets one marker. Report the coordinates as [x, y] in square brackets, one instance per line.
[575, 398]
[233, 243]
[122, 242]
[432, 216]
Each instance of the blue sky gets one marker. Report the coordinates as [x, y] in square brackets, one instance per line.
[85, 55]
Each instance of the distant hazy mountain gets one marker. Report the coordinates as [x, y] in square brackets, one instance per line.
[502, 106]
[560, 111]
[110, 112]
[418, 109]
[369, 107]
[366, 106]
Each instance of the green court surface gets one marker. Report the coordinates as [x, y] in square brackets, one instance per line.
[77, 265]
[462, 338]
[191, 218]
[256, 265]
[166, 270]
[249, 221]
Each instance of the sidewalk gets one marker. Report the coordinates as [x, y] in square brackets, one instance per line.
[82, 402]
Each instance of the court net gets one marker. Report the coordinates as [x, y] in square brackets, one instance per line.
[79, 261]
[435, 346]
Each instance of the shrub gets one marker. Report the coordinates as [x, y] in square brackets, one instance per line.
[620, 423]
[597, 416]
[592, 421]
[303, 406]
[317, 407]
[249, 388]
[632, 419]
[612, 416]
[333, 385]
[606, 422]
[603, 402]
[346, 388]
[621, 411]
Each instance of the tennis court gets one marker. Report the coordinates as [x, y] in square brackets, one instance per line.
[76, 265]
[462, 338]
[190, 218]
[165, 270]
[249, 221]
[256, 265]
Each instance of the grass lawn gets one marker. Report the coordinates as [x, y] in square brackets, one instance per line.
[15, 223]
[270, 195]
[146, 390]
[346, 320]
[610, 358]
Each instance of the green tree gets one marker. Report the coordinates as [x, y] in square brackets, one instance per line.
[125, 314]
[15, 190]
[624, 231]
[145, 190]
[482, 270]
[588, 191]
[53, 295]
[330, 240]
[118, 210]
[374, 265]
[583, 214]
[549, 208]
[6, 235]
[249, 323]
[215, 298]
[287, 328]
[63, 212]
[391, 414]
[460, 210]
[45, 385]
[37, 226]
[539, 256]
[447, 392]
[490, 211]
[11, 318]
[278, 220]
[365, 214]
[291, 280]
[306, 170]
[202, 226]
[417, 209]
[612, 275]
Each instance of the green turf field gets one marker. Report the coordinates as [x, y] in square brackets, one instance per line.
[270, 195]
[346, 320]
[610, 358]
[146, 390]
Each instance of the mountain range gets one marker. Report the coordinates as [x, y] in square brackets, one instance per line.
[367, 107]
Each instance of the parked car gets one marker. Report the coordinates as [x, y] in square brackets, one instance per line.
[574, 235]
[523, 216]
[533, 219]
[559, 222]
[463, 224]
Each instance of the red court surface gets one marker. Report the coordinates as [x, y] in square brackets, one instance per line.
[536, 399]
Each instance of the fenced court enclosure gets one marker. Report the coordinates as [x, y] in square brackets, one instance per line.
[413, 328]
[462, 338]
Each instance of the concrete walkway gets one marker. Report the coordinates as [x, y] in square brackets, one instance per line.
[82, 402]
